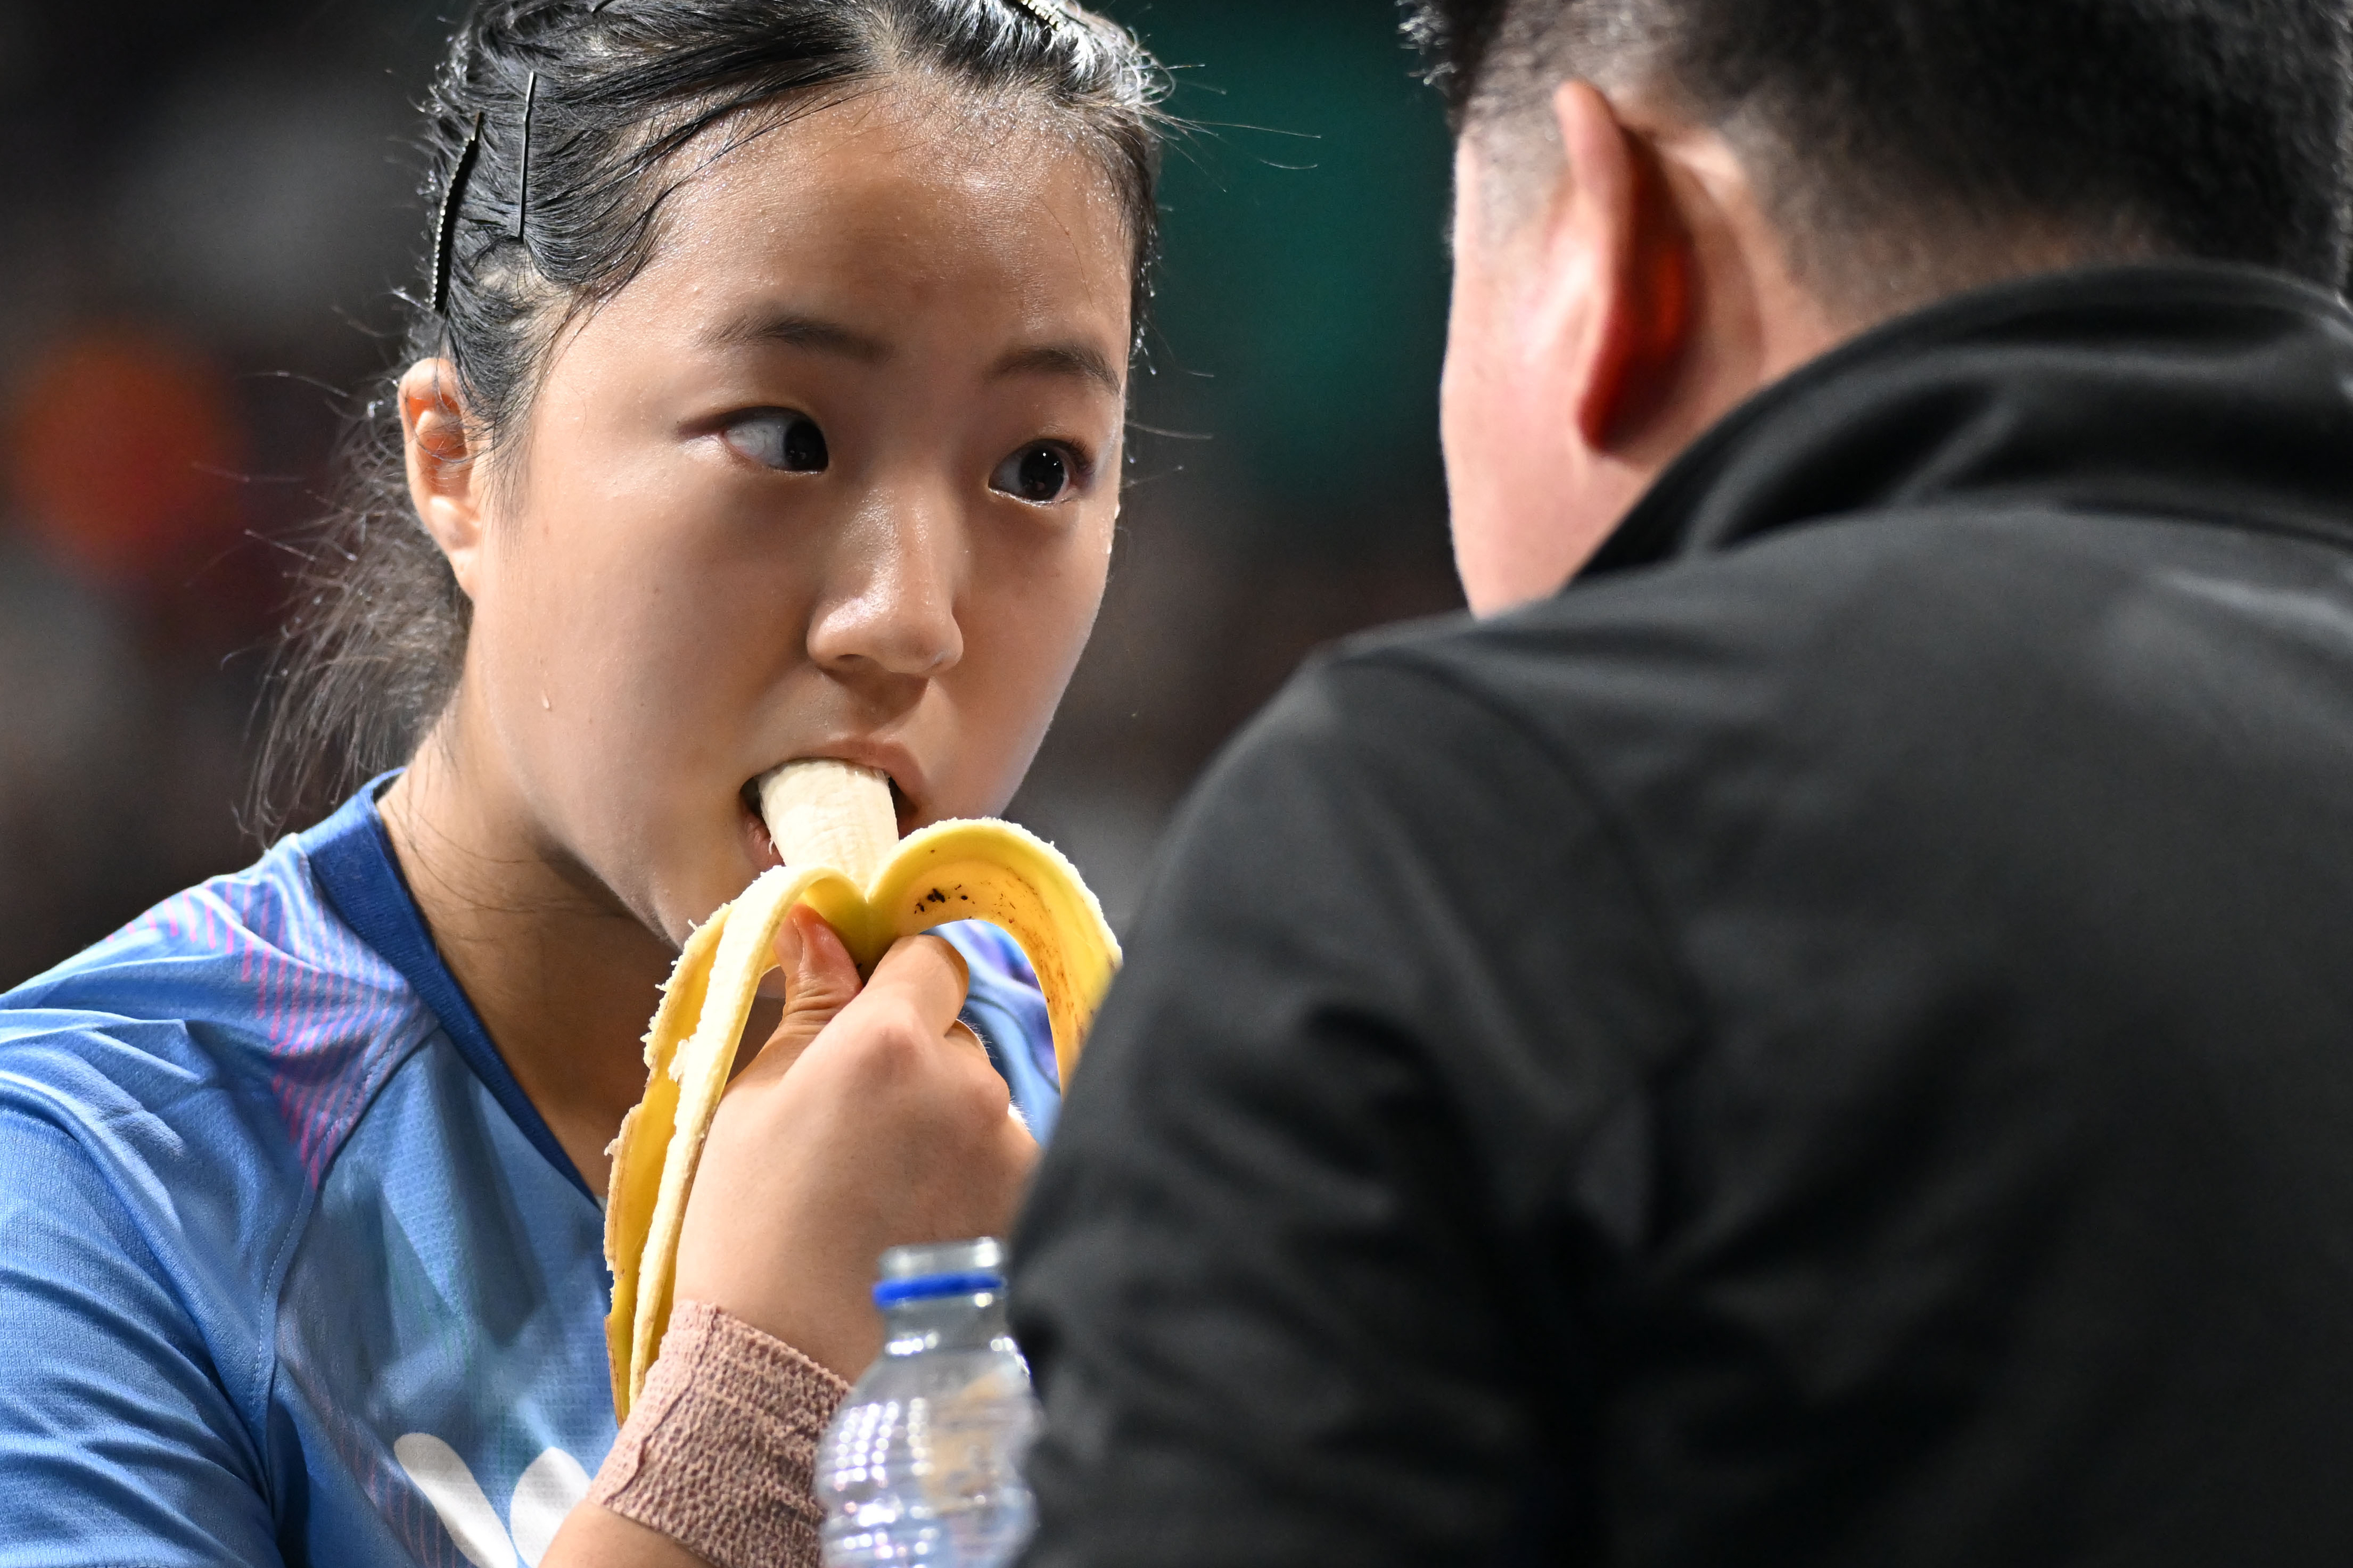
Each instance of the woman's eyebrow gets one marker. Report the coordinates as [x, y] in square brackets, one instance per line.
[801, 333]
[1082, 360]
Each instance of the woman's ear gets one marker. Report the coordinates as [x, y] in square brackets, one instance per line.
[445, 479]
[1623, 215]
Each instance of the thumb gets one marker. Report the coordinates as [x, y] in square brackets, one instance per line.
[820, 979]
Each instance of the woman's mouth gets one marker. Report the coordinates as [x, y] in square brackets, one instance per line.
[757, 839]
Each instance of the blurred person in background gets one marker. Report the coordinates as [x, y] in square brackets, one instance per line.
[1826, 1039]
[765, 401]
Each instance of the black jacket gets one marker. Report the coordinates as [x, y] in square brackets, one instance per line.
[1830, 1042]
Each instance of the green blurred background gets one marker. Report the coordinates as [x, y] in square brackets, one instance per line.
[1302, 309]
[209, 202]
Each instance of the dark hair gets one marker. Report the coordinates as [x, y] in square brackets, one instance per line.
[603, 96]
[1907, 148]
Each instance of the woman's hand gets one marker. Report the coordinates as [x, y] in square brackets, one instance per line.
[870, 1119]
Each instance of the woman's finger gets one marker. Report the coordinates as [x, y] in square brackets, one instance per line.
[820, 981]
[926, 974]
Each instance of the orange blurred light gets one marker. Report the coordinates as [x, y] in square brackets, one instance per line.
[121, 449]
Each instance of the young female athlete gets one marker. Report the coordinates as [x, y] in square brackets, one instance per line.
[765, 403]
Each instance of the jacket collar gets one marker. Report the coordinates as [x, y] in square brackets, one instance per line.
[2182, 390]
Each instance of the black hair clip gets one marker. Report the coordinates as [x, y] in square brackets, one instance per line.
[446, 225]
[522, 164]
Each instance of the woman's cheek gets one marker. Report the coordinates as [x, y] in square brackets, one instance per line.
[1038, 621]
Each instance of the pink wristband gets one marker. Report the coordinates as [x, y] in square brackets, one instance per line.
[720, 1450]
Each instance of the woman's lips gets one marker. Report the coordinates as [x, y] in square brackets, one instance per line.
[902, 809]
[760, 847]
[757, 844]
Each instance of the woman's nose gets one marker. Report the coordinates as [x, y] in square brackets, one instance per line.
[890, 608]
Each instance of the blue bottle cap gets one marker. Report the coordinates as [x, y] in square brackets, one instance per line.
[936, 1269]
[929, 1287]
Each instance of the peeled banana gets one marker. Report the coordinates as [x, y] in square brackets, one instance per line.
[834, 825]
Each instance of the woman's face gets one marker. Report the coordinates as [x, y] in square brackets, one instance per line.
[834, 477]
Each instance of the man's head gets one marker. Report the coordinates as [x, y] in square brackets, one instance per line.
[1662, 205]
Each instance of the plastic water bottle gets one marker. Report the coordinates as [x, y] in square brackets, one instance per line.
[923, 1463]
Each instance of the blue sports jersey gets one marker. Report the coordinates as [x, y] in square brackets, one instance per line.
[290, 1271]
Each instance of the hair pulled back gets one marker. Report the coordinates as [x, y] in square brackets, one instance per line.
[554, 134]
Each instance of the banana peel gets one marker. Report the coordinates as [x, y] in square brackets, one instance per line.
[834, 825]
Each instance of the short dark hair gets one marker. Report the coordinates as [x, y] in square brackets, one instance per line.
[603, 96]
[1901, 146]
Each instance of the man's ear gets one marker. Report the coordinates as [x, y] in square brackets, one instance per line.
[1639, 326]
[445, 478]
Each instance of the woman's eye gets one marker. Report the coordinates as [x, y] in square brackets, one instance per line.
[781, 439]
[1045, 472]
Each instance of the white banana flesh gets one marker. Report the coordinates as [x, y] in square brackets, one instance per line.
[825, 813]
[837, 831]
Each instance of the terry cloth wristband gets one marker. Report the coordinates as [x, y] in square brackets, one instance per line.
[720, 1451]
